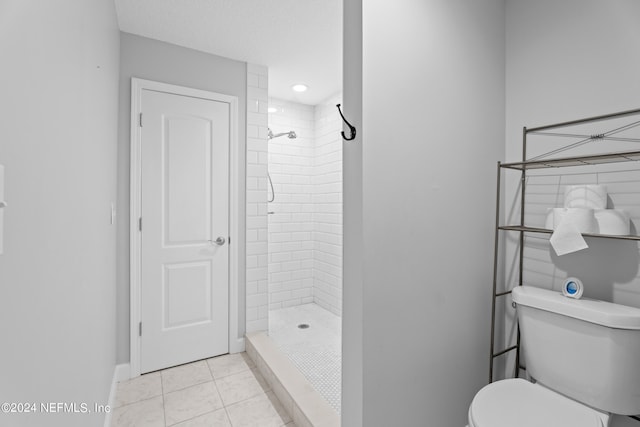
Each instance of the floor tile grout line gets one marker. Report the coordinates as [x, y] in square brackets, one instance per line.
[266, 395]
[189, 386]
[208, 412]
[164, 410]
[245, 399]
[210, 370]
[137, 401]
[187, 364]
[194, 417]
[233, 373]
[218, 392]
[228, 416]
[224, 405]
[248, 398]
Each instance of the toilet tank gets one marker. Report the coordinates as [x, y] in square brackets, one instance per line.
[586, 349]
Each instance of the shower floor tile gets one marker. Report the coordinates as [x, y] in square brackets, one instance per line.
[316, 350]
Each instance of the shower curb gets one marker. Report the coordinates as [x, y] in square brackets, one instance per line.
[304, 405]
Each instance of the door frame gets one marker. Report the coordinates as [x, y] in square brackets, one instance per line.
[236, 247]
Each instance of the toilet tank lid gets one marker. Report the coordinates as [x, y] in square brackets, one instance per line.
[599, 312]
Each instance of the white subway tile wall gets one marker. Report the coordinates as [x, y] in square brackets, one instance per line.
[327, 202]
[305, 218]
[257, 254]
[291, 212]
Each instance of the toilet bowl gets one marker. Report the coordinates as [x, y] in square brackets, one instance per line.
[517, 402]
[583, 354]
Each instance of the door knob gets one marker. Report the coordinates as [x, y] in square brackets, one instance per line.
[219, 241]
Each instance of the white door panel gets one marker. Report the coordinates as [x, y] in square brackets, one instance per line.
[188, 213]
[185, 208]
[187, 296]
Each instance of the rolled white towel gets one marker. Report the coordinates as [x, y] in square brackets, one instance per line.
[583, 219]
[548, 223]
[585, 196]
[613, 222]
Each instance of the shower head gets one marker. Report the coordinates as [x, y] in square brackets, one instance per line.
[291, 134]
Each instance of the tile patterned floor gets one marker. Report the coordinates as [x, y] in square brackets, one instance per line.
[225, 391]
[315, 351]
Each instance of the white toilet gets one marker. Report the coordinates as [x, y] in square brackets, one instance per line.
[584, 356]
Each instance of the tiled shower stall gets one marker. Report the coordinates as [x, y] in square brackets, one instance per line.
[294, 244]
[305, 217]
[304, 233]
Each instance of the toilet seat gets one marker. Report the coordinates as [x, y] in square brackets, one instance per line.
[517, 402]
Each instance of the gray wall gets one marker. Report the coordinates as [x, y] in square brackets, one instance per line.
[454, 82]
[59, 85]
[154, 60]
[352, 287]
[568, 60]
[432, 130]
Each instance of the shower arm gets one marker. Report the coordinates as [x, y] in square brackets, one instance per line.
[278, 135]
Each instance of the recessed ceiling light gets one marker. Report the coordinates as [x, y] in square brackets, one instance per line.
[272, 110]
[300, 87]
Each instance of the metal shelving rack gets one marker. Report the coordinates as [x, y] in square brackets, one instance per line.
[538, 163]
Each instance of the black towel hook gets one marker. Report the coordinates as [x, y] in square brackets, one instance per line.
[352, 128]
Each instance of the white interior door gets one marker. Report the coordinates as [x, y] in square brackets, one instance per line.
[185, 228]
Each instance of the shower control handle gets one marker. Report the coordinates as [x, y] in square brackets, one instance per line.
[219, 241]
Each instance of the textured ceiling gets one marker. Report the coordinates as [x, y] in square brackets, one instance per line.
[299, 40]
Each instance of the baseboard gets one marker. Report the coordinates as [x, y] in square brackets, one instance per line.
[237, 346]
[121, 372]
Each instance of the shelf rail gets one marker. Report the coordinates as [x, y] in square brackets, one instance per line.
[539, 163]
